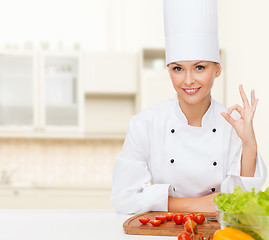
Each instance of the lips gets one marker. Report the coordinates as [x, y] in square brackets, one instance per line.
[191, 91]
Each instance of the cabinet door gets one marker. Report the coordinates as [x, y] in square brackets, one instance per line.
[17, 89]
[108, 116]
[111, 73]
[61, 98]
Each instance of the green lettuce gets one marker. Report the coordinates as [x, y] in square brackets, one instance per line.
[242, 210]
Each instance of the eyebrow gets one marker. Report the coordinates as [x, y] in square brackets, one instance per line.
[193, 64]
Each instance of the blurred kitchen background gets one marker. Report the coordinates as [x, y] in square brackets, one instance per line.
[72, 73]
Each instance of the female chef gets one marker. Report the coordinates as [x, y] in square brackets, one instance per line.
[179, 153]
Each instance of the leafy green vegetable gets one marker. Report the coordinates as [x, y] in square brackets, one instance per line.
[243, 210]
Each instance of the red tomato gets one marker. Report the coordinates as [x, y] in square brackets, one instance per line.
[161, 217]
[198, 236]
[144, 220]
[186, 218]
[155, 222]
[169, 216]
[178, 218]
[199, 218]
[191, 214]
[190, 226]
[184, 236]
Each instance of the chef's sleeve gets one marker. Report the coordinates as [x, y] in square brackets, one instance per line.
[132, 191]
[233, 177]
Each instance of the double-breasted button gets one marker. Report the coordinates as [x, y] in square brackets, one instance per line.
[172, 160]
[215, 163]
[173, 130]
[214, 130]
[213, 189]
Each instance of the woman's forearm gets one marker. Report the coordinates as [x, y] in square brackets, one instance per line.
[248, 159]
[195, 204]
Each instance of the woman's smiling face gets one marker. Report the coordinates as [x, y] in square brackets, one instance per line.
[193, 80]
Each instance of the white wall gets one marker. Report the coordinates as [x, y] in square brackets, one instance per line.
[98, 25]
[84, 21]
[244, 37]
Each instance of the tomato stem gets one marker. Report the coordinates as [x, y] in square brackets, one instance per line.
[192, 232]
[208, 232]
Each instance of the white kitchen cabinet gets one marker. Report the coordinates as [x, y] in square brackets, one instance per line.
[40, 93]
[108, 116]
[61, 92]
[55, 198]
[111, 73]
[52, 88]
[18, 90]
[110, 93]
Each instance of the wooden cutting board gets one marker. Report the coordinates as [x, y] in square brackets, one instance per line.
[168, 228]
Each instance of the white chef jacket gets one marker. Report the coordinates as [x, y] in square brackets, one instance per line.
[164, 156]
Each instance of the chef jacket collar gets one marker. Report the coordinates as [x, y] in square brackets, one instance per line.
[206, 119]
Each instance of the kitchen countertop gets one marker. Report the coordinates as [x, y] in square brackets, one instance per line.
[66, 225]
[53, 187]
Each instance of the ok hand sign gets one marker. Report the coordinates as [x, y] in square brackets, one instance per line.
[243, 126]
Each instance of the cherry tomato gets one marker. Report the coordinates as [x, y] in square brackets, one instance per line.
[184, 236]
[186, 218]
[155, 222]
[161, 217]
[199, 218]
[178, 218]
[197, 236]
[169, 216]
[190, 226]
[144, 220]
[191, 214]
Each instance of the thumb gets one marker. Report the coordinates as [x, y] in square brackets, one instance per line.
[228, 118]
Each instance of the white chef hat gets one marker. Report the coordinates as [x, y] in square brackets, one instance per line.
[191, 30]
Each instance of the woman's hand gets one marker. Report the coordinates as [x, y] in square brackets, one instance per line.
[207, 203]
[193, 204]
[243, 126]
[244, 129]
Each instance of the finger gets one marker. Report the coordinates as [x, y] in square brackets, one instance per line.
[254, 101]
[236, 107]
[252, 97]
[243, 96]
[255, 106]
[228, 118]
